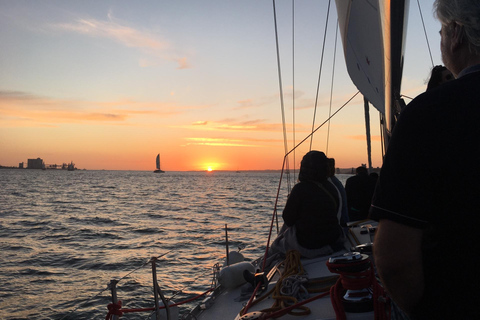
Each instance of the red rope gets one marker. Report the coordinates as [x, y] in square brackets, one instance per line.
[356, 281]
[116, 309]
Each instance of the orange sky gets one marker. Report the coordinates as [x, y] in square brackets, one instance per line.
[108, 86]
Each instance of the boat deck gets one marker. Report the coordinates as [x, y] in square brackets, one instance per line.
[226, 304]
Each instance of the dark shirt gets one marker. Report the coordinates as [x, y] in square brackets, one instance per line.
[430, 180]
[313, 210]
[359, 196]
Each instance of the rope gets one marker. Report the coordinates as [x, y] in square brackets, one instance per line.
[320, 73]
[293, 270]
[282, 105]
[291, 287]
[294, 286]
[331, 87]
[357, 281]
[293, 87]
[116, 308]
[425, 31]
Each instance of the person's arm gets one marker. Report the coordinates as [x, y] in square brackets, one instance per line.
[398, 258]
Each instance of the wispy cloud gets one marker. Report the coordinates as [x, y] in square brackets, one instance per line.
[232, 125]
[228, 142]
[149, 43]
[200, 123]
[24, 109]
[251, 103]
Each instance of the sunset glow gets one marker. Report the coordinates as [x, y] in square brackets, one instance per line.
[109, 85]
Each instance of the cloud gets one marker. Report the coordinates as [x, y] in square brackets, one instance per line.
[152, 45]
[183, 63]
[233, 125]
[227, 142]
[200, 123]
[24, 109]
[250, 103]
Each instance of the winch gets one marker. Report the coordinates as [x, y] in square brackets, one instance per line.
[354, 288]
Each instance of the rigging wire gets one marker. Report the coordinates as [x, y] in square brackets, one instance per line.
[331, 87]
[320, 72]
[425, 31]
[282, 105]
[293, 84]
[323, 123]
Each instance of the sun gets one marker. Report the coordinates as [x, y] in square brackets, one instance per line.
[209, 169]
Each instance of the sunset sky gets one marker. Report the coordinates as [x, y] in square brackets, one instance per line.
[109, 84]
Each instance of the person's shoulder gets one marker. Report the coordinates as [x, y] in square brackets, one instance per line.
[467, 85]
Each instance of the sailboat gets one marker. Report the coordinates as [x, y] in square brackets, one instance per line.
[341, 285]
[157, 163]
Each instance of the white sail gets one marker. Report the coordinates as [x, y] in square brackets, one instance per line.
[361, 29]
[373, 36]
[158, 161]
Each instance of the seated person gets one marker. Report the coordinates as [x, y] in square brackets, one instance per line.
[311, 225]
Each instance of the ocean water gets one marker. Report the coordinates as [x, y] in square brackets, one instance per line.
[65, 235]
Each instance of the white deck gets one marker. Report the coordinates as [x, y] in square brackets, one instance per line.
[226, 304]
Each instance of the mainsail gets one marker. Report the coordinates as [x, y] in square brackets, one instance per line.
[157, 160]
[373, 34]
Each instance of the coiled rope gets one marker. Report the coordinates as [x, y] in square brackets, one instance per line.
[292, 287]
[293, 270]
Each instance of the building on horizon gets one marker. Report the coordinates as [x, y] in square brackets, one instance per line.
[35, 164]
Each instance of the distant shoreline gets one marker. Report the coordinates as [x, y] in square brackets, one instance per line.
[338, 170]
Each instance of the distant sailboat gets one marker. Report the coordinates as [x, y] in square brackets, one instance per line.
[158, 165]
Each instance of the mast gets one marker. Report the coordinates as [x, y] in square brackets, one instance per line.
[395, 34]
